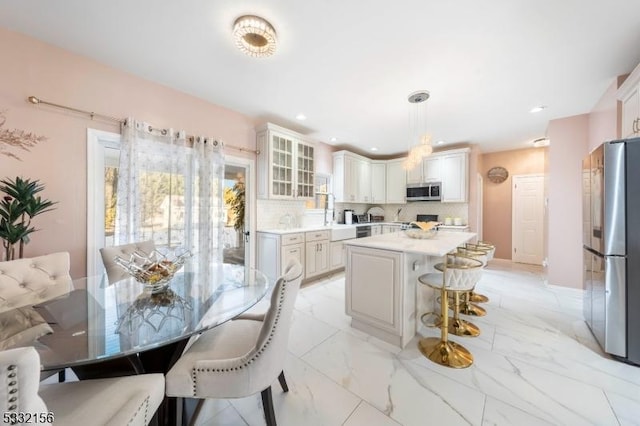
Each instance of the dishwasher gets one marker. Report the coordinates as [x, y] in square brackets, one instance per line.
[363, 231]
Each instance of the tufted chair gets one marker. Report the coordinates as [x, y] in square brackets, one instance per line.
[243, 356]
[27, 282]
[114, 272]
[130, 400]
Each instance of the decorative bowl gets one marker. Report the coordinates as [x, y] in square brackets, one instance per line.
[153, 270]
[419, 234]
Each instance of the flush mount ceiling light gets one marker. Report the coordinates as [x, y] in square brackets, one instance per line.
[538, 108]
[254, 36]
[419, 140]
[541, 142]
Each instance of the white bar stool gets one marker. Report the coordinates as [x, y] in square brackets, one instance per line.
[459, 274]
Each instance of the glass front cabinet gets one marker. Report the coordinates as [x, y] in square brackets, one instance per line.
[285, 164]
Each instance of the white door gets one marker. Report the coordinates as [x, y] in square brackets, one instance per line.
[528, 219]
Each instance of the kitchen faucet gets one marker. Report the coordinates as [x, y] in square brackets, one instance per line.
[326, 206]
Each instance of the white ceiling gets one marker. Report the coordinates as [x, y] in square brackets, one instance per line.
[349, 65]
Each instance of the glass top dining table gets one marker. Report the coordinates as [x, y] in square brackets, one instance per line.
[98, 321]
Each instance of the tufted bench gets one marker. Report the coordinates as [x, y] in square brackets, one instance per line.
[114, 272]
[28, 282]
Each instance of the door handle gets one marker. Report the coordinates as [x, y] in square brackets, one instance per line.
[246, 236]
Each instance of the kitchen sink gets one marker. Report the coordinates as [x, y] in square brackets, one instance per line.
[342, 232]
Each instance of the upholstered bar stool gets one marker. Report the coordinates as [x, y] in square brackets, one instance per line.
[490, 249]
[459, 274]
[468, 308]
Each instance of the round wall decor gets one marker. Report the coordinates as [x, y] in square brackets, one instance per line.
[497, 174]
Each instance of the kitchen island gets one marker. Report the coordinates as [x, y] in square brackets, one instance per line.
[383, 297]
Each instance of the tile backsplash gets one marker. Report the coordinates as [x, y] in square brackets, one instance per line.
[269, 212]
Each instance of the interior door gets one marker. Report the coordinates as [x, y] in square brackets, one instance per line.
[528, 219]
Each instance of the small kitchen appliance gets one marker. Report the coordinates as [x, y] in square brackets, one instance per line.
[348, 216]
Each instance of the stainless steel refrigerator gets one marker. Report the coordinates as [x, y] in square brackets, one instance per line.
[611, 239]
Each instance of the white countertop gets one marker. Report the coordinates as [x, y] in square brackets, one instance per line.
[441, 244]
[323, 228]
[340, 226]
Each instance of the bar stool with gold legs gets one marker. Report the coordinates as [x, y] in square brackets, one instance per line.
[459, 274]
[490, 249]
[466, 307]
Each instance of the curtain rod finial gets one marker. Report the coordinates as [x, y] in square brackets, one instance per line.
[33, 100]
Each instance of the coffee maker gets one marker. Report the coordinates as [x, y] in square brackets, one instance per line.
[348, 216]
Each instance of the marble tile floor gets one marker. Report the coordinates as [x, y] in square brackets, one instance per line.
[536, 363]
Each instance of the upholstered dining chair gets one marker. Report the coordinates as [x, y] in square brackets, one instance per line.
[30, 281]
[130, 400]
[241, 357]
[114, 272]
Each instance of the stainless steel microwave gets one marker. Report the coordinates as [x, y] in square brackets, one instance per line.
[427, 191]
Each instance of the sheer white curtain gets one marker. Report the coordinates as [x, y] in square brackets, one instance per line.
[170, 190]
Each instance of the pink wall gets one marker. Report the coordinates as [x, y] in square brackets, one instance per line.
[604, 123]
[31, 67]
[497, 196]
[569, 144]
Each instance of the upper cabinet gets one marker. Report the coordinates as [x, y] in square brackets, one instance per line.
[286, 164]
[351, 177]
[378, 181]
[396, 180]
[629, 95]
[451, 168]
[430, 170]
[454, 167]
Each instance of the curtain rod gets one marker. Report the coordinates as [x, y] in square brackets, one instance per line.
[34, 100]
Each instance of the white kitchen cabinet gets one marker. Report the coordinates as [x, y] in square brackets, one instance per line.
[455, 176]
[286, 164]
[396, 182]
[376, 230]
[387, 229]
[629, 95]
[337, 256]
[317, 253]
[428, 170]
[414, 175]
[378, 181]
[432, 169]
[364, 180]
[275, 250]
[351, 178]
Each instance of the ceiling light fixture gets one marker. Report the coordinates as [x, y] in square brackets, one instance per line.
[254, 36]
[419, 139]
[537, 109]
[301, 116]
[540, 142]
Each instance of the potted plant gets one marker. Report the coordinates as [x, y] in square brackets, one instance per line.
[17, 209]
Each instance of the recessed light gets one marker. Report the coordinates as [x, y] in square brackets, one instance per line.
[440, 142]
[334, 139]
[301, 116]
[540, 142]
[538, 108]
[374, 149]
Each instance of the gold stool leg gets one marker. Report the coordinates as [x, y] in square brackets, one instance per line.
[469, 308]
[458, 326]
[441, 351]
[478, 298]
